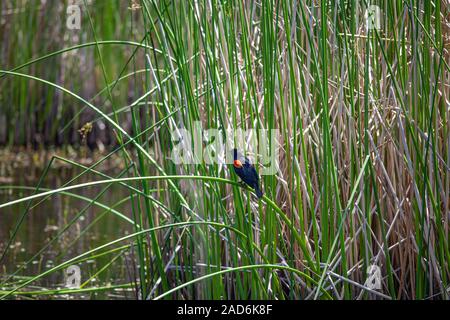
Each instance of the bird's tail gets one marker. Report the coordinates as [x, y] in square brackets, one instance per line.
[258, 191]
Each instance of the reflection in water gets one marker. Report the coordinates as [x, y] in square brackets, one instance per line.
[88, 226]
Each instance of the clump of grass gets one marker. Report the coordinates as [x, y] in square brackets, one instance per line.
[364, 147]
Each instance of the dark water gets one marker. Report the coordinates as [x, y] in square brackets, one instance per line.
[43, 223]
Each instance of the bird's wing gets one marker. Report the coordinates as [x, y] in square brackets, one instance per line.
[254, 173]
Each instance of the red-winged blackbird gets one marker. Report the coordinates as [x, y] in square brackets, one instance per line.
[246, 171]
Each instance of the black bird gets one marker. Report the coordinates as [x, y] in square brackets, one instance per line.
[246, 171]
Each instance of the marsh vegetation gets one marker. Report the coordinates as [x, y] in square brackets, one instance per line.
[363, 177]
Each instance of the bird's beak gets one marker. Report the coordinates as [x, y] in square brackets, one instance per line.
[237, 164]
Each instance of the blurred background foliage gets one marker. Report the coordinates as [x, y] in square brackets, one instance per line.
[34, 114]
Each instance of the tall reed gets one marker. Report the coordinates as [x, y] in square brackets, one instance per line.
[362, 112]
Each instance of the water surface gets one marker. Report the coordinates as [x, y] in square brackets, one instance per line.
[95, 226]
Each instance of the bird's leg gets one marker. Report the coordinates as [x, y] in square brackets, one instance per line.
[242, 184]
